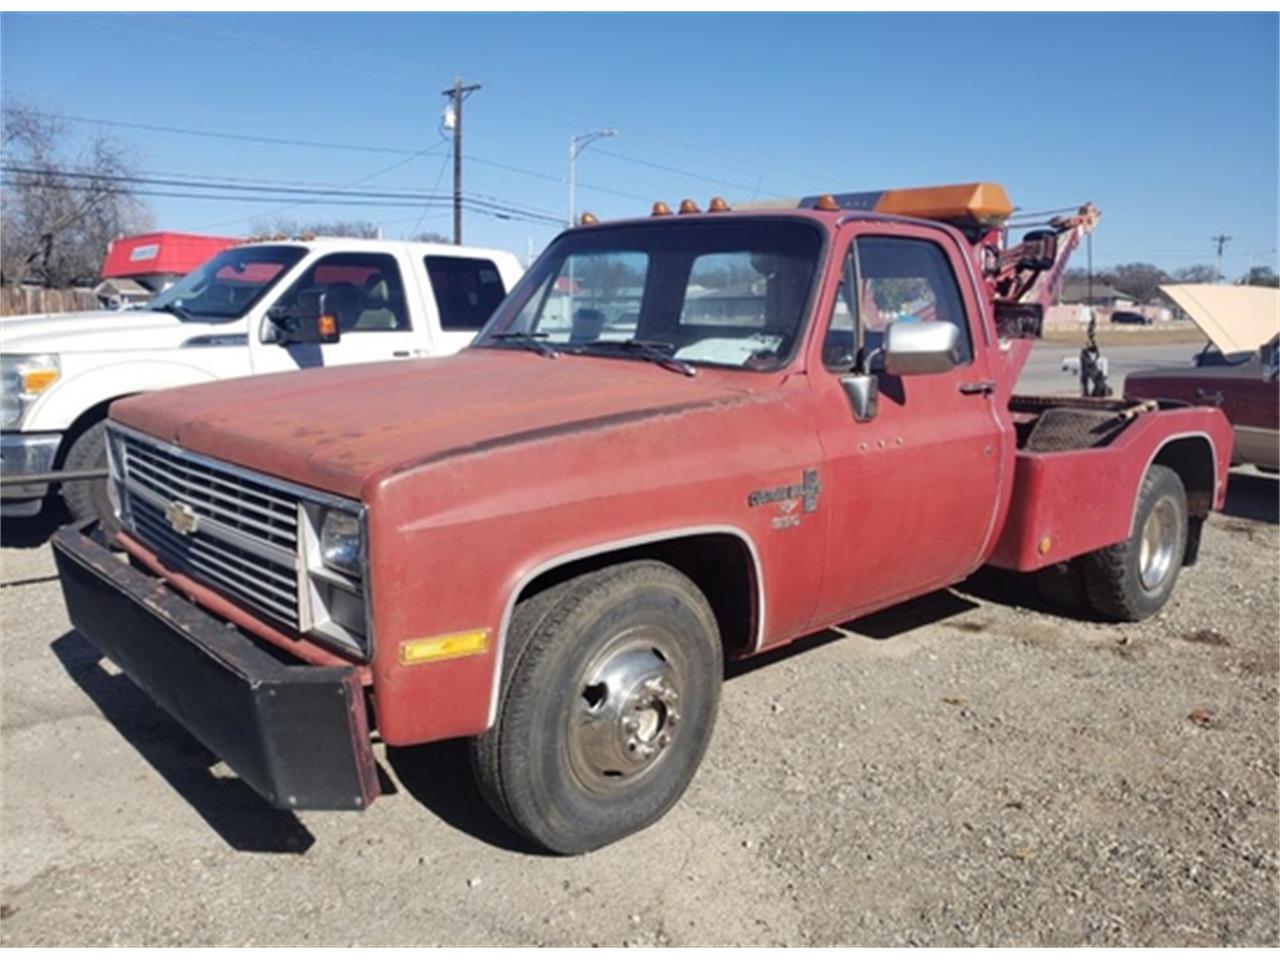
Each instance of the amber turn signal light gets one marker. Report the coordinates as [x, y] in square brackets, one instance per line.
[327, 326]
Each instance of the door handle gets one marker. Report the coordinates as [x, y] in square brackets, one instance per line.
[980, 387]
[400, 353]
[1213, 396]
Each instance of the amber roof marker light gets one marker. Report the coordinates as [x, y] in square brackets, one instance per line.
[688, 206]
[718, 205]
[660, 209]
[588, 219]
[826, 202]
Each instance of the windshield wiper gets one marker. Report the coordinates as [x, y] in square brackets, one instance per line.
[655, 351]
[180, 312]
[530, 341]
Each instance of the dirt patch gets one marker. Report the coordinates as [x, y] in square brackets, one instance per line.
[1209, 637]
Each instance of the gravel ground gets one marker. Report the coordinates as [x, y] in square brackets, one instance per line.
[966, 769]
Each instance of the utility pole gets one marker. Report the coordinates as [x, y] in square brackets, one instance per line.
[1221, 240]
[578, 143]
[456, 94]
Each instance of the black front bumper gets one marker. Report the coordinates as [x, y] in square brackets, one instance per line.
[298, 734]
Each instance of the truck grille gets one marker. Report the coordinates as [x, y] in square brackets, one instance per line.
[225, 529]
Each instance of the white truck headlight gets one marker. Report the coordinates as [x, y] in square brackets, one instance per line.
[341, 542]
[23, 377]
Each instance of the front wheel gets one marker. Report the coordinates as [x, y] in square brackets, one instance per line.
[610, 690]
[1133, 580]
[88, 498]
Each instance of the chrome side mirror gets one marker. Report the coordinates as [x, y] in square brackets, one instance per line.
[924, 346]
[863, 393]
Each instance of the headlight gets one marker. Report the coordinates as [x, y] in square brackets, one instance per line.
[341, 544]
[335, 602]
[23, 377]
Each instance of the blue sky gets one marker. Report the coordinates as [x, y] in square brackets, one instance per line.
[1167, 122]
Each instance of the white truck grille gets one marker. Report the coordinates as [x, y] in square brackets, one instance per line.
[225, 529]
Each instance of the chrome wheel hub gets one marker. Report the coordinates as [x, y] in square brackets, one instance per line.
[627, 712]
[1159, 539]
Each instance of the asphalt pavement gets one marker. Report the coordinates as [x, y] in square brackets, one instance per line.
[1042, 373]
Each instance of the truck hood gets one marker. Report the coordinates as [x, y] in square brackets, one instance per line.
[336, 428]
[1237, 319]
[103, 330]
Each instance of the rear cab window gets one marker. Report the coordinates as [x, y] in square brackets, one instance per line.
[467, 290]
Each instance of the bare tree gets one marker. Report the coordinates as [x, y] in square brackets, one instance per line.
[1260, 277]
[1196, 273]
[429, 236]
[57, 215]
[283, 226]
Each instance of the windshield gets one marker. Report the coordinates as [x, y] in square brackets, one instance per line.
[225, 287]
[731, 293]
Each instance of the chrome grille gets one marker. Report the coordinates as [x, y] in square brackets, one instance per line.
[245, 541]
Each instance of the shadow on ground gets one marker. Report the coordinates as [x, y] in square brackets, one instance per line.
[438, 776]
[241, 817]
[28, 532]
[1252, 496]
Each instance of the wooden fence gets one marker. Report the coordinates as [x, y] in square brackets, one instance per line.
[19, 300]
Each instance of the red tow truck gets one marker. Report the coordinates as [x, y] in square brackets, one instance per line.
[681, 439]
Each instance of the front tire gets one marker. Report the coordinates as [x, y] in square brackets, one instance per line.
[86, 499]
[1133, 580]
[609, 696]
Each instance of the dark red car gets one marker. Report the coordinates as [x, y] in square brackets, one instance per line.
[1226, 373]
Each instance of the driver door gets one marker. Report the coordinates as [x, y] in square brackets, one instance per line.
[913, 490]
[366, 291]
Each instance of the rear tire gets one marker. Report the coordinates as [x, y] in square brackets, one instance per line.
[611, 683]
[1062, 585]
[1133, 580]
[86, 499]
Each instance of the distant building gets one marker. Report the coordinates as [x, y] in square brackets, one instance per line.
[1104, 295]
[139, 267]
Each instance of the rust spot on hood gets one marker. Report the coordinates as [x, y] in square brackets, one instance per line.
[570, 427]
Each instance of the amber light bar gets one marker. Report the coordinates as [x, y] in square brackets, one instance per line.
[968, 204]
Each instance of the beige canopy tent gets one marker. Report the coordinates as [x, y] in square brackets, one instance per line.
[1236, 319]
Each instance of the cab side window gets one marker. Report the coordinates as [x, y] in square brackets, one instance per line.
[363, 290]
[900, 280]
[467, 290]
[903, 280]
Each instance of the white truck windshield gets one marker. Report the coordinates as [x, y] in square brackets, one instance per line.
[225, 287]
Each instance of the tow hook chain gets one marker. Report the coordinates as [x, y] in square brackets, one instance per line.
[1093, 381]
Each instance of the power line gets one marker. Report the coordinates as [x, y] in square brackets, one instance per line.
[244, 186]
[223, 135]
[241, 186]
[683, 173]
[483, 207]
[309, 52]
[318, 145]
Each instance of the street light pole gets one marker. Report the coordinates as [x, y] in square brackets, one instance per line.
[577, 143]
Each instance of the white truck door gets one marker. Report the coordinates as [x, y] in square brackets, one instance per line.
[368, 293]
[465, 291]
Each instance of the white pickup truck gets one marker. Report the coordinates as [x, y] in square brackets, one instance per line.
[60, 372]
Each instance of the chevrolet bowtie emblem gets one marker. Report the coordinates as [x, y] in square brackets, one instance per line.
[182, 518]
